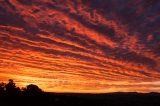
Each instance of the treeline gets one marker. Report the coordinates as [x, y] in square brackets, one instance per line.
[10, 88]
[32, 95]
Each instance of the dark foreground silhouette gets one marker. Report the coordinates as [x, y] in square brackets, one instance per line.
[32, 95]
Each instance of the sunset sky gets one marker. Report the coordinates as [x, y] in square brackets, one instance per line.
[91, 46]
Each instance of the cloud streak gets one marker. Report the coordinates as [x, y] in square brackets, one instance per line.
[88, 45]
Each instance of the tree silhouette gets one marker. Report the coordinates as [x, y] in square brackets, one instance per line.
[32, 89]
[2, 88]
[11, 88]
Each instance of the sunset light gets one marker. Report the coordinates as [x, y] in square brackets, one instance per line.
[81, 46]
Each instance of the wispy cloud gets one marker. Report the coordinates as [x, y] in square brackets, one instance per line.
[91, 45]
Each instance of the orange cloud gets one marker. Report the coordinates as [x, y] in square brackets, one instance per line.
[68, 45]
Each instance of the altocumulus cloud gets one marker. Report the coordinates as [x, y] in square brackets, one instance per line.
[88, 45]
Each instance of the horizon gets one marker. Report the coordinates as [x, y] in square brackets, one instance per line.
[21, 89]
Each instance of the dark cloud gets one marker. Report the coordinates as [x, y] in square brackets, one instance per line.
[100, 41]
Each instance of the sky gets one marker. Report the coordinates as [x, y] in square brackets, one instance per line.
[84, 46]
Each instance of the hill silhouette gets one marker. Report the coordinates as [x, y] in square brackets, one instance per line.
[32, 95]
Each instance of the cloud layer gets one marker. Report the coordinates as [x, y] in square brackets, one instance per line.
[87, 45]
